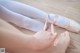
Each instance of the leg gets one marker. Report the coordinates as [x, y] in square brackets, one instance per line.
[24, 9]
[20, 20]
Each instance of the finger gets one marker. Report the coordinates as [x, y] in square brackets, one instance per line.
[62, 39]
[53, 37]
[52, 40]
[67, 38]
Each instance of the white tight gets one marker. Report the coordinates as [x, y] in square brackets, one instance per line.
[21, 15]
[24, 9]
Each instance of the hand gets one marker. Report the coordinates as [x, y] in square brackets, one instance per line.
[61, 43]
[44, 40]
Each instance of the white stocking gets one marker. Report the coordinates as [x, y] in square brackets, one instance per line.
[20, 20]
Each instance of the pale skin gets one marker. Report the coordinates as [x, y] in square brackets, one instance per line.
[13, 39]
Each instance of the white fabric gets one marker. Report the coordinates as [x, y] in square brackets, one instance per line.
[24, 9]
[27, 16]
[66, 23]
[74, 26]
